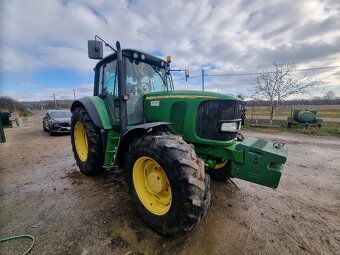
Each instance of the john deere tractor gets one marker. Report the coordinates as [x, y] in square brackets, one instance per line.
[166, 141]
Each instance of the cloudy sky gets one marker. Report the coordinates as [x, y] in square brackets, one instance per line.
[43, 44]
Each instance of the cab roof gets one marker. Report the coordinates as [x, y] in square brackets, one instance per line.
[136, 54]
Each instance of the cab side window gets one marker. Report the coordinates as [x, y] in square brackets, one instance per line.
[108, 79]
[108, 88]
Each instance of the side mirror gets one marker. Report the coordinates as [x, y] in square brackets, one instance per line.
[95, 49]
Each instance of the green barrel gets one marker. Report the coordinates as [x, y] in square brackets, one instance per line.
[306, 117]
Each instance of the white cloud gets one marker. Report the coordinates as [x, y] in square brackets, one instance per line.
[229, 35]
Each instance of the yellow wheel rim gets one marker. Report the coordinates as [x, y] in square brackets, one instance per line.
[80, 141]
[220, 165]
[152, 185]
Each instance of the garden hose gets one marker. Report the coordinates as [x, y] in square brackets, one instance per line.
[21, 236]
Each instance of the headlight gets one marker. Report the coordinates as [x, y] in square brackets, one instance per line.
[229, 126]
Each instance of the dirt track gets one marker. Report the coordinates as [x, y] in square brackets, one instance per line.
[43, 194]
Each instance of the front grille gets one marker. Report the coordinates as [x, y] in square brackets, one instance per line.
[209, 116]
[65, 124]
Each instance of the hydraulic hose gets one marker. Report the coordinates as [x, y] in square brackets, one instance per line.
[21, 236]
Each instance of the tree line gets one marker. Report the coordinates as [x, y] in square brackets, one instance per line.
[314, 101]
[11, 105]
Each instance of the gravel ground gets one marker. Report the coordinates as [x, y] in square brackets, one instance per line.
[42, 193]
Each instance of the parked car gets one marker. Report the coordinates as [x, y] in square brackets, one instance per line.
[57, 121]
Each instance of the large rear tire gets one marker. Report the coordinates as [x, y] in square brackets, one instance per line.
[86, 143]
[167, 182]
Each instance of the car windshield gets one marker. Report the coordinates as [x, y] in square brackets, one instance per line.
[61, 114]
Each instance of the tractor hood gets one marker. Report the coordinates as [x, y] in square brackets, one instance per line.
[188, 94]
[196, 115]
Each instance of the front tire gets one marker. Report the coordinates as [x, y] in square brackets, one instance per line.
[86, 143]
[44, 128]
[221, 173]
[167, 183]
[50, 130]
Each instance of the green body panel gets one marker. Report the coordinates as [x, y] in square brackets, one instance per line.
[180, 109]
[112, 135]
[111, 147]
[220, 153]
[262, 164]
[102, 111]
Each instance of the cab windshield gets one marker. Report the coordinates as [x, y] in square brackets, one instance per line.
[143, 78]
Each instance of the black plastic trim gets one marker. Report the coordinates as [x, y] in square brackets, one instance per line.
[90, 108]
[128, 136]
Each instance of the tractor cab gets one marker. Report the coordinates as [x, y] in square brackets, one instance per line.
[142, 74]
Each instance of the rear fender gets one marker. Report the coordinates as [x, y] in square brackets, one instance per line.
[96, 108]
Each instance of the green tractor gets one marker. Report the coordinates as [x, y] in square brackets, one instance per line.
[165, 140]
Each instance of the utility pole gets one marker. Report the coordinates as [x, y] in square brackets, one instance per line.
[55, 102]
[202, 80]
[74, 94]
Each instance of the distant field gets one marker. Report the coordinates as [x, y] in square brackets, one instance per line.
[328, 128]
[326, 111]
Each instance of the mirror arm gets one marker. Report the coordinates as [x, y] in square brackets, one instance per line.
[105, 43]
[186, 72]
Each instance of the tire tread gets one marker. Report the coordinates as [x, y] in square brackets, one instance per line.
[192, 182]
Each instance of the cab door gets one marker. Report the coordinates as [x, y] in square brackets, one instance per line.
[108, 90]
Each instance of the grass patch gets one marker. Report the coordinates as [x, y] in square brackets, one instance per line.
[325, 111]
[327, 129]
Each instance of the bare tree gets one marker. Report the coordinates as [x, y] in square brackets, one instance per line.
[9, 104]
[330, 95]
[279, 84]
